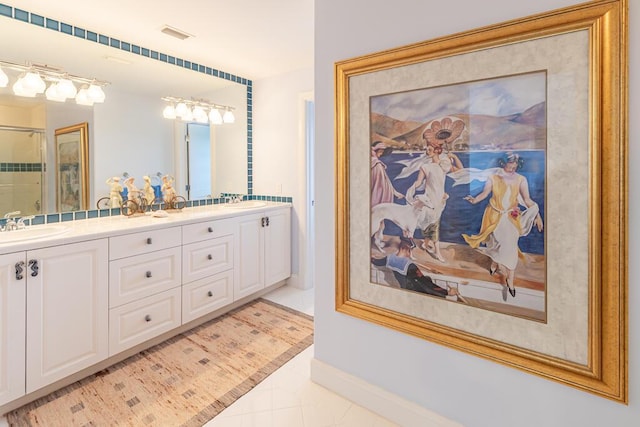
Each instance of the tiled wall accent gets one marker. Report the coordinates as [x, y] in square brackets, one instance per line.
[52, 24]
[20, 167]
[99, 213]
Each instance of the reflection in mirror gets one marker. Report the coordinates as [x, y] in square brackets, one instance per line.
[126, 133]
[72, 168]
[21, 169]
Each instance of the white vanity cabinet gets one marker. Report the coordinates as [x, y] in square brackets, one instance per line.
[144, 286]
[207, 267]
[13, 293]
[264, 250]
[53, 311]
[67, 308]
[68, 304]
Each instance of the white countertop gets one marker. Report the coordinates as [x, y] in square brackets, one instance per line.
[95, 228]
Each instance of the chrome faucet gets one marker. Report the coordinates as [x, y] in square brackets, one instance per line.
[20, 223]
[11, 223]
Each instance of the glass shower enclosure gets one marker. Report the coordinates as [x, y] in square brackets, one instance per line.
[22, 170]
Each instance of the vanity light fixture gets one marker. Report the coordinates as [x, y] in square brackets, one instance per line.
[33, 78]
[199, 110]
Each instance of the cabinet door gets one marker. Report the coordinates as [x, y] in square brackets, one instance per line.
[67, 311]
[277, 251]
[12, 327]
[250, 264]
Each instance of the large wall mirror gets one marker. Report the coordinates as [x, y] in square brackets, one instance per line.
[127, 133]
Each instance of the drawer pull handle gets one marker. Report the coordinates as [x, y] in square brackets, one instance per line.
[210, 293]
[209, 256]
[147, 318]
[210, 229]
[148, 274]
[33, 265]
[19, 270]
[149, 241]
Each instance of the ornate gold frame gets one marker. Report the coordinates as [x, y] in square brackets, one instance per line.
[606, 372]
[82, 130]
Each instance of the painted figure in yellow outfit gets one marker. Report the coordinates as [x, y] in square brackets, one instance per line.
[504, 222]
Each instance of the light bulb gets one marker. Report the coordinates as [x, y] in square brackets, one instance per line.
[53, 93]
[66, 88]
[181, 109]
[215, 117]
[169, 112]
[95, 93]
[228, 117]
[4, 79]
[82, 98]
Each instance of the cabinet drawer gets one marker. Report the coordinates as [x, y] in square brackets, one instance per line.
[144, 242]
[207, 230]
[143, 275]
[203, 259]
[136, 322]
[206, 295]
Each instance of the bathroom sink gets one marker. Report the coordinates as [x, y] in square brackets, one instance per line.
[247, 204]
[31, 233]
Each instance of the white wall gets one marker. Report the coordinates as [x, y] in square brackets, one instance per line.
[130, 136]
[467, 389]
[278, 148]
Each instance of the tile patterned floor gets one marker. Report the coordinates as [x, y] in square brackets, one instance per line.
[288, 398]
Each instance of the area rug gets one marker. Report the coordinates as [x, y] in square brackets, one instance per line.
[185, 381]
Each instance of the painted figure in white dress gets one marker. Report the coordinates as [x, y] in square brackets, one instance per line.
[504, 221]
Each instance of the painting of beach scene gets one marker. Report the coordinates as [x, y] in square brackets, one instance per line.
[457, 185]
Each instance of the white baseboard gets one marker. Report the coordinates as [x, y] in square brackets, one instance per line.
[375, 399]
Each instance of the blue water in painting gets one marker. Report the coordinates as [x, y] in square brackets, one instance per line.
[460, 216]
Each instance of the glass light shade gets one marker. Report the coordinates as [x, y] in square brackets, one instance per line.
[95, 93]
[32, 82]
[53, 93]
[215, 117]
[169, 112]
[4, 79]
[82, 98]
[66, 88]
[181, 109]
[199, 114]
[188, 116]
[228, 117]
[20, 90]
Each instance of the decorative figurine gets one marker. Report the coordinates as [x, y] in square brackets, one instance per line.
[115, 192]
[132, 190]
[149, 194]
[168, 192]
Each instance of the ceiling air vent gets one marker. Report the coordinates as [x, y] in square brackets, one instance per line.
[174, 32]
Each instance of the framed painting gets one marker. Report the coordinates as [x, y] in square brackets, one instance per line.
[482, 193]
[72, 167]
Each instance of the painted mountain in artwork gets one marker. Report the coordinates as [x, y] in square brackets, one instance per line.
[522, 131]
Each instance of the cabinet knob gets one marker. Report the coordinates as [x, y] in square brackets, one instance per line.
[210, 229]
[147, 318]
[148, 274]
[210, 293]
[209, 256]
[149, 240]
